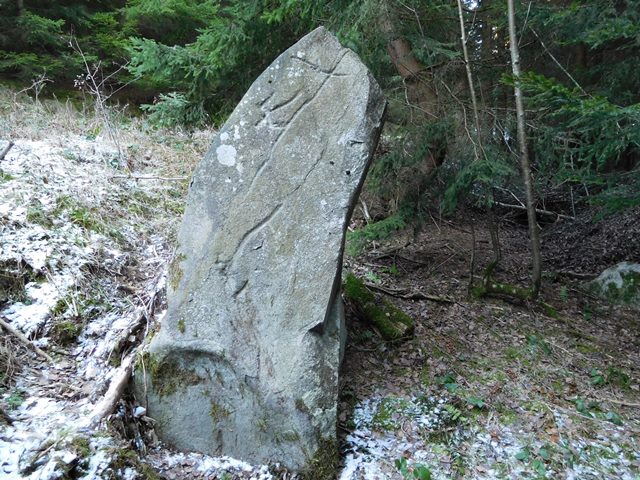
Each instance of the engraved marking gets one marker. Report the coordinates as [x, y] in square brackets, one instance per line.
[250, 233]
[241, 289]
[330, 71]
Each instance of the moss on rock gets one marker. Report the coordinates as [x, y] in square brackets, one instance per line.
[167, 375]
[175, 271]
[391, 322]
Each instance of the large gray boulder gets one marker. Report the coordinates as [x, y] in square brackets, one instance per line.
[246, 361]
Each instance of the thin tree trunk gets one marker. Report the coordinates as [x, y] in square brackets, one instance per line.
[524, 155]
[474, 103]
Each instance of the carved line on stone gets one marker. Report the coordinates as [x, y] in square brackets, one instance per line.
[241, 289]
[266, 99]
[306, 103]
[263, 110]
[298, 111]
[285, 103]
[250, 233]
[306, 175]
[317, 68]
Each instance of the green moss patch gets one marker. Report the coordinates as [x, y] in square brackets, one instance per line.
[325, 463]
[391, 322]
[126, 458]
[66, 332]
[175, 271]
[168, 376]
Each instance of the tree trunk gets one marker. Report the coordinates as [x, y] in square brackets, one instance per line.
[420, 93]
[524, 155]
[474, 102]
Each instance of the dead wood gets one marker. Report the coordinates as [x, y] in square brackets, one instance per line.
[538, 210]
[408, 294]
[4, 416]
[4, 324]
[116, 389]
[5, 150]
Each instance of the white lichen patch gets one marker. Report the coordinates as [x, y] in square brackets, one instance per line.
[226, 155]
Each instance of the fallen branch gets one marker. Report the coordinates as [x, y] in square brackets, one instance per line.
[406, 294]
[391, 251]
[424, 296]
[149, 177]
[538, 210]
[577, 275]
[6, 149]
[143, 314]
[116, 389]
[123, 374]
[620, 402]
[23, 339]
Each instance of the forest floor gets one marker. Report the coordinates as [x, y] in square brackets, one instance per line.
[485, 388]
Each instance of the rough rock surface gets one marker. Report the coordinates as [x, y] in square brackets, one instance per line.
[619, 284]
[246, 360]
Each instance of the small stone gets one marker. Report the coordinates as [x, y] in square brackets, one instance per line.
[139, 411]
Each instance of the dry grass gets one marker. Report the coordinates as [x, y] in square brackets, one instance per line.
[171, 153]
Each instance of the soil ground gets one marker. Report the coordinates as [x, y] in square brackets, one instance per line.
[494, 388]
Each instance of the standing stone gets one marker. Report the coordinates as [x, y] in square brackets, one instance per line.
[246, 360]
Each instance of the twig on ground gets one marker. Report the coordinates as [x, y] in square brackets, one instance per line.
[414, 260]
[4, 324]
[390, 251]
[6, 149]
[620, 402]
[538, 210]
[408, 295]
[149, 177]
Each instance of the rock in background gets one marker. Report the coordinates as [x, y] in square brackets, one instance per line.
[619, 284]
[246, 361]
